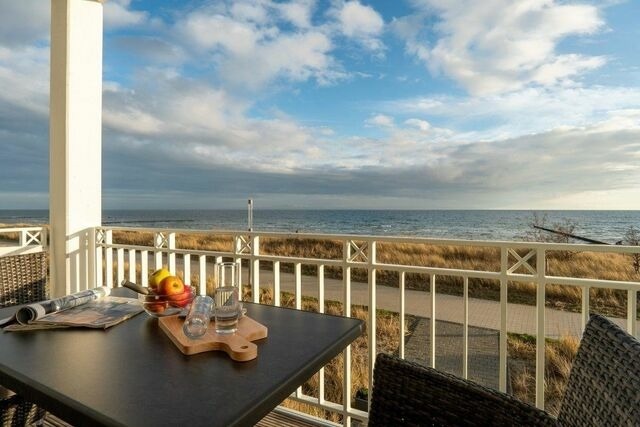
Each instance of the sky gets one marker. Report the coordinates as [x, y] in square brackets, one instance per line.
[408, 104]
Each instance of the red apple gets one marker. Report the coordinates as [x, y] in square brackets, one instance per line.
[157, 307]
[186, 293]
[183, 299]
[172, 285]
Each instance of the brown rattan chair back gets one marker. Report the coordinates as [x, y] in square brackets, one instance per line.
[408, 394]
[604, 383]
[23, 280]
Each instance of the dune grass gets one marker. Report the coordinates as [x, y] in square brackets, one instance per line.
[593, 265]
[559, 355]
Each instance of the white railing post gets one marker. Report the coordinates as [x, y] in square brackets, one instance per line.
[132, 265]
[502, 371]
[159, 241]
[22, 239]
[108, 260]
[632, 312]
[432, 287]
[297, 268]
[465, 328]
[171, 256]
[346, 371]
[98, 238]
[202, 277]
[144, 268]
[541, 273]
[321, 310]
[401, 284]
[371, 328]
[298, 301]
[585, 306]
[255, 268]
[120, 270]
[276, 283]
[91, 258]
[186, 266]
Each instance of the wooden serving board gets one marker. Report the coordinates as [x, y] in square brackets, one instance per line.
[238, 346]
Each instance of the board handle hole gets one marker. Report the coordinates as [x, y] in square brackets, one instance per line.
[244, 347]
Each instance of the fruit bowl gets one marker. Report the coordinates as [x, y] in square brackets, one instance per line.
[167, 305]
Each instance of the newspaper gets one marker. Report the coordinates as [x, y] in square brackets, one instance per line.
[93, 308]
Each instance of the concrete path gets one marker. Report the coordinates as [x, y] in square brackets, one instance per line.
[482, 313]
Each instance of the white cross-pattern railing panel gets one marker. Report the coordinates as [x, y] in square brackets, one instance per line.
[359, 252]
[522, 261]
[29, 240]
[243, 245]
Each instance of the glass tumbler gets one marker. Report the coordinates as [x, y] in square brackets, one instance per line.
[197, 321]
[227, 299]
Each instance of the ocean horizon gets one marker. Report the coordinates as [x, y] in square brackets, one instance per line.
[608, 226]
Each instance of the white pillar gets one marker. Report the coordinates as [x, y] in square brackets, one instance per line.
[75, 139]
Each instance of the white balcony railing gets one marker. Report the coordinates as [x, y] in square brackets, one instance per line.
[515, 264]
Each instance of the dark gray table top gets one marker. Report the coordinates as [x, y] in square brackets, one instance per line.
[133, 375]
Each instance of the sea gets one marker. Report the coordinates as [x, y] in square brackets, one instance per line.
[605, 226]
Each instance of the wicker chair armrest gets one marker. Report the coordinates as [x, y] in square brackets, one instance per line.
[15, 411]
[409, 394]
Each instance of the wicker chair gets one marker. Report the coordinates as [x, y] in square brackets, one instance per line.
[603, 390]
[23, 279]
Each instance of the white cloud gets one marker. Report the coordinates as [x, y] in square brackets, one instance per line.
[380, 120]
[204, 125]
[212, 31]
[623, 199]
[422, 125]
[117, 14]
[528, 111]
[249, 11]
[358, 20]
[296, 57]
[24, 22]
[489, 52]
[250, 47]
[24, 75]
[298, 13]
[361, 23]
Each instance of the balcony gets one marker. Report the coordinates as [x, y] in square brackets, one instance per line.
[503, 313]
[487, 304]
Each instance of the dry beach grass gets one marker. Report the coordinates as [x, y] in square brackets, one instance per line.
[559, 355]
[594, 265]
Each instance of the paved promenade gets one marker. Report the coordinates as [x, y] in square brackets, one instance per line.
[482, 313]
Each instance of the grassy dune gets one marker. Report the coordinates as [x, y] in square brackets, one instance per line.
[559, 355]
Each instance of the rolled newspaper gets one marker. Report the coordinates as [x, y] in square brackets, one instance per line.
[35, 311]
